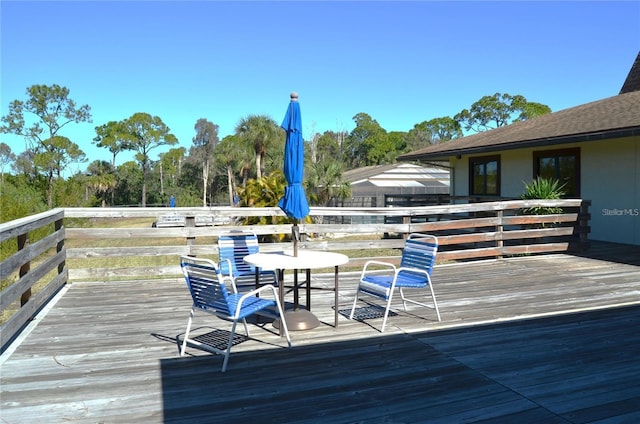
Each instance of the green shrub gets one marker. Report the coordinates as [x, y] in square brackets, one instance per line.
[17, 200]
[543, 188]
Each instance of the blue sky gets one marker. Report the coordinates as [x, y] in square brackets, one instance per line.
[400, 62]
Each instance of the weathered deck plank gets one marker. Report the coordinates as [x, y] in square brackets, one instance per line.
[548, 339]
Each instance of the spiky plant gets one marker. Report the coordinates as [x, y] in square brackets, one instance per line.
[543, 188]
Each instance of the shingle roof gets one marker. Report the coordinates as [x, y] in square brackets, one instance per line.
[632, 83]
[617, 116]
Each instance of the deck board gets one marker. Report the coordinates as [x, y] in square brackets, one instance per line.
[551, 339]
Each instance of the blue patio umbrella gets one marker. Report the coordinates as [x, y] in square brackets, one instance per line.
[294, 202]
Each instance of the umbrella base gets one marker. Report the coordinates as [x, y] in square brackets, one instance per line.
[298, 320]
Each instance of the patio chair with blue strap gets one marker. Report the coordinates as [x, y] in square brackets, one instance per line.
[233, 246]
[213, 293]
[416, 265]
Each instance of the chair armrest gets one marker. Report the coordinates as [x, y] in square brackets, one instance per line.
[228, 264]
[231, 281]
[379, 263]
[252, 293]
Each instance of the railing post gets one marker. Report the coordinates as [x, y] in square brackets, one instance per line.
[499, 233]
[583, 225]
[23, 242]
[406, 220]
[190, 222]
[60, 245]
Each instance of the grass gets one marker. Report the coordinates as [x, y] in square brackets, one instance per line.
[151, 261]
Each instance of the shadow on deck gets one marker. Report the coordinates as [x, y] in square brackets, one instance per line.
[573, 368]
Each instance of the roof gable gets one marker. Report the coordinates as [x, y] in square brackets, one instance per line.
[632, 83]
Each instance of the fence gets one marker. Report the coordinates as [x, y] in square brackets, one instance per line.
[82, 235]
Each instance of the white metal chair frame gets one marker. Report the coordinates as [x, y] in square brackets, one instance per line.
[414, 272]
[210, 294]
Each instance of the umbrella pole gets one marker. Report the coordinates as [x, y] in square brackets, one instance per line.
[295, 233]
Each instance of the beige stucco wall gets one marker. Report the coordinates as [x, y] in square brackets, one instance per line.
[610, 178]
[517, 169]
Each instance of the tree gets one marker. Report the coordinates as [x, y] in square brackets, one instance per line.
[145, 133]
[6, 157]
[128, 189]
[40, 119]
[328, 147]
[531, 110]
[498, 110]
[101, 179]
[112, 136]
[396, 142]
[59, 154]
[265, 192]
[170, 165]
[313, 144]
[368, 143]
[228, 155]
[204, 143]
[24, 164]
[18, 198]
[434, 131]
[263, 132]
[74, 191]
[324, 182]
[274, 156]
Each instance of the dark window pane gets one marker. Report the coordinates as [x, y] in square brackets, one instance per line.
[485, 178]
[547, 168]
[566, 167]
[478, 179]
[562, 166]
[567, 174]
[478, 170]
[492, 178]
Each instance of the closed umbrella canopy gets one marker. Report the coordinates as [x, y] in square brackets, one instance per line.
[294, 202]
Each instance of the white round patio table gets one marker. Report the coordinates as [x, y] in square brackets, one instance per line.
[300, 319]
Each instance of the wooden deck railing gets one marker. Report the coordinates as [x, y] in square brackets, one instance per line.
[32, 275]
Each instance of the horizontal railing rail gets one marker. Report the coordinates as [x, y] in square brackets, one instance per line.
[34, 261]
[89, 244]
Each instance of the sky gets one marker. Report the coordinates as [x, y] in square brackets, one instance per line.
[400, 62]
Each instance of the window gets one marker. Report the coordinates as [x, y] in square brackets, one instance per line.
[563, 165]
[484, 176]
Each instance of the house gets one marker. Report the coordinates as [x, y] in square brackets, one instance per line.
[593, 148]
[418, 184]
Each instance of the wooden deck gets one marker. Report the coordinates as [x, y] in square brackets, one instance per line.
[546, 339]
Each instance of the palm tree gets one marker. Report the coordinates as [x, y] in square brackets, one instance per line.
[230, 156]
[325, 182]
[102, 179]
[263, 132]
